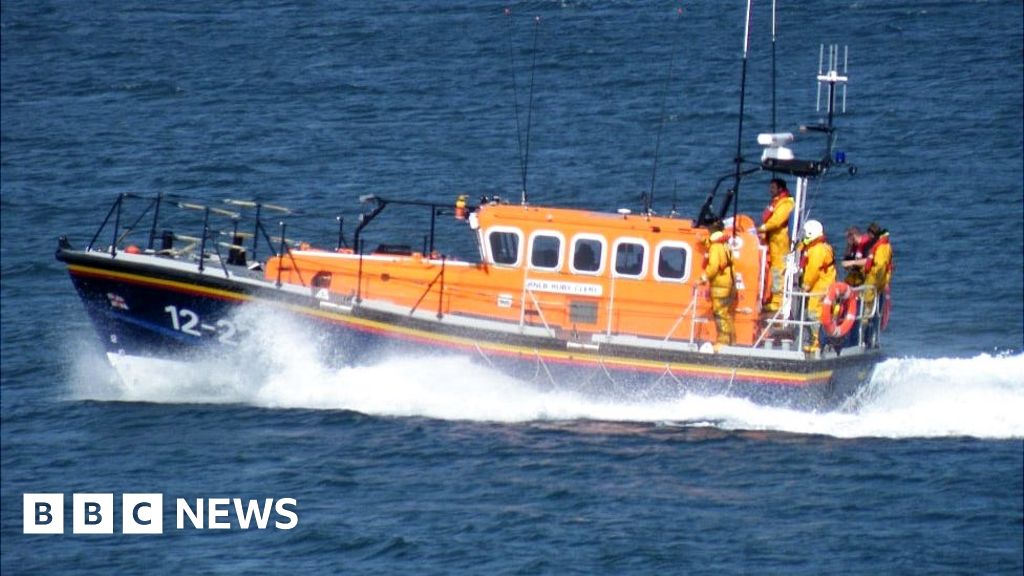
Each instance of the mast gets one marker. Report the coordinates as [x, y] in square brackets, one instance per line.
[524, 155]
[773, 66]
[732, 195]
[649, 198]
[777, 157]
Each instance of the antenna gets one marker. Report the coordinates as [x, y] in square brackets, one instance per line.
[649, 198]
[777, 157]
[515, 98]
[831, 78]
[821, 61]
[732, 195]
[529, 109]
[846, 61]
[773, 66]
[524, 155]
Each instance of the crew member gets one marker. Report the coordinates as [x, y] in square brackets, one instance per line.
[877, 274]
[819, 272]
[775, 227]
[718, 272]
[857, 244]
[853, 259]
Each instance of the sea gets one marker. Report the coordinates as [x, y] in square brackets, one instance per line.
[438, 465]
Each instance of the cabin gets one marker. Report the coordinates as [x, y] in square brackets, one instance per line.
[579, 275]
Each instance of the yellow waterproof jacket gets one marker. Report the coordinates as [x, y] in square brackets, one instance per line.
[718, 271]
[878, 270]
[819, 266]
[776, 228]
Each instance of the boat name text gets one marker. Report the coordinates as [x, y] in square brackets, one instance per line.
[573, 288]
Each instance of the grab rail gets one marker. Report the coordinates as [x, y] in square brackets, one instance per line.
[522, 305]
[803, 323]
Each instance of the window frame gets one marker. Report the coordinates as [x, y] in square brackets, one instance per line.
[601, 261]
[688, 262]
[561, 252]
[519, 245]
[643, 261]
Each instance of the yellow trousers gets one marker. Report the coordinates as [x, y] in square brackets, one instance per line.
[814, 315]
[778, 278]
[722, 308]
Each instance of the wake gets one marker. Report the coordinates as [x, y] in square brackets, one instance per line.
[980, 397]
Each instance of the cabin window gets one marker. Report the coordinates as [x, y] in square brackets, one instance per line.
[587, 254]
[673, 262]
[546, 251]
[504, 246]
[630, 258]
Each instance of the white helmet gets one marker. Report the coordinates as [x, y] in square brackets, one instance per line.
[813, 229]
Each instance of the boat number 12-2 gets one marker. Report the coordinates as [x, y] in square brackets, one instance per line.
[187, 321]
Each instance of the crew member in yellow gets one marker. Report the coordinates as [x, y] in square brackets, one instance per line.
[775, 227]
[819, 272]
[718, 272]
[877, 273]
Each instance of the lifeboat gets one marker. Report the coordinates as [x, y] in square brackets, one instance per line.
[609, 303]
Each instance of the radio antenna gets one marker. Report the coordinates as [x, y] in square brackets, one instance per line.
[673, 213]
[649, 198]
[529, 109]
[831, 79]
[773, 67]
[515, 98]
[732, 195]
[524, 154]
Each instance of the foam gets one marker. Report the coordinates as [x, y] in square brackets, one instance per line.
[276, 367]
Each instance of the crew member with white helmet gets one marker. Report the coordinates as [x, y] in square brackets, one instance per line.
[819, 272]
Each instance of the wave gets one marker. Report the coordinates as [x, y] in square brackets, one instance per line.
[979, 397]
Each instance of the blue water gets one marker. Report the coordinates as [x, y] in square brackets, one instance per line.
[440, 466]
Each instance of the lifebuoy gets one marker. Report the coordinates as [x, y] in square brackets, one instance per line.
[841, 296]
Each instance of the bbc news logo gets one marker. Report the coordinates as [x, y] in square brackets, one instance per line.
[43, 513]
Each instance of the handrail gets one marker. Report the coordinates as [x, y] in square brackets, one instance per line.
[156, 219]
[522, 305]
[131, 227]
[611, 304]
[802, 322]
[359, 276]
[691, 307]
[439, 276]
[206, 232]
[286, 249]
[381, 203]
[116, 205]
[540, 312]
[440, 293]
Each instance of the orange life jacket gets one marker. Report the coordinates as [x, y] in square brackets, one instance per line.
[803, 256]
[884, 239]
[770, 209]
